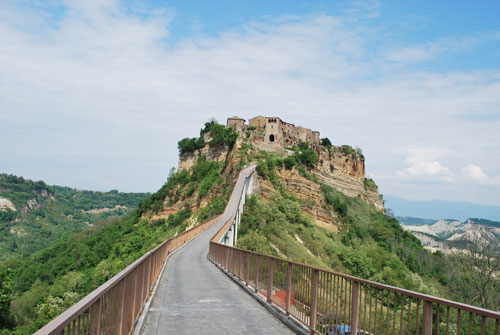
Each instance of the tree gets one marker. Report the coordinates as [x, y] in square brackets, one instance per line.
[6, 320]
[478, 280]
[326, 142]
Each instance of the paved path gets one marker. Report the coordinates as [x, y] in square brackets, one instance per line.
[195, 297]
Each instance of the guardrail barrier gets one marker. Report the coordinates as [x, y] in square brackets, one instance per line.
[331, 303]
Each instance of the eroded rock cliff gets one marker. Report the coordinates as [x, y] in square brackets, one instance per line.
[342, 168]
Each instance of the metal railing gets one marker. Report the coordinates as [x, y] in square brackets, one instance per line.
[329, 303]
[115, 306]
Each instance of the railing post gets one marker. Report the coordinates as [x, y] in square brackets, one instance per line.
[247, 275]
[147, 280]
[354, 306]
[288, 288]
[130, 302]
[427, 318]
[257, 259]
[138, 290]
[95, 317]
[240, 273]
[314, 301]
[233, 261]
[226, 265]
[270, 272]
[121, 306]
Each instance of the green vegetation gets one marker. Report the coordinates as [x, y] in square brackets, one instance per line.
[326, 142]
[303, 159]
[370, 184]
[44, 212]
[219, 135]
[35, 288]
[369, 245]
[204, 175]
[47, 282]
[348, 150]
[190, 144]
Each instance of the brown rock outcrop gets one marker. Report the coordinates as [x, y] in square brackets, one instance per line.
[217, 154]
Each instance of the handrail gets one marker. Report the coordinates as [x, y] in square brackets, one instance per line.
[451, 303]
[115, 306]
[327, 302]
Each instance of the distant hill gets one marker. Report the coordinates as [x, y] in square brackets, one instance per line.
[441, 209]
[446, 235]
[412, 221]
[33, 214]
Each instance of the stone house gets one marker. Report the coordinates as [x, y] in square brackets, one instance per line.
[274, 131]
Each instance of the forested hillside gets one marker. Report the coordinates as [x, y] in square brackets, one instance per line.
[36, 288]
[362, 241]
[34, 214]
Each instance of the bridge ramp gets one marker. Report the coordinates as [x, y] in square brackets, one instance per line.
[195, 297]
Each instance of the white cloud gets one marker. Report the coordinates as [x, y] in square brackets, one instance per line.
[99, 98]
[423, 167]
[427, 168]
[475, 174]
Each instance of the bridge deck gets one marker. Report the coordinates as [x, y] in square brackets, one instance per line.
[195, 297]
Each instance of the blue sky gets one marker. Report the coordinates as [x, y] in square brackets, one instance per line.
[96, 94]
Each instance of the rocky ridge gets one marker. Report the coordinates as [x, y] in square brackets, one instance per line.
[441, 234]
[339, 167]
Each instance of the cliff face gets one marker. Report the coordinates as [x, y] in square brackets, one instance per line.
[306, 190]
[339, 167]
[215, 154]
[344, 169]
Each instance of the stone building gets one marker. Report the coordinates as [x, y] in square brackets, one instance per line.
[235, 122]
[274, 131]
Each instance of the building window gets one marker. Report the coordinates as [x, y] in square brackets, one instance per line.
[271, 138]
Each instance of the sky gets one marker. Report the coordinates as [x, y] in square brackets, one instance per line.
[96, 94]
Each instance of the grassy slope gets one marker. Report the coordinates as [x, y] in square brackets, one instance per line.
[370, 244]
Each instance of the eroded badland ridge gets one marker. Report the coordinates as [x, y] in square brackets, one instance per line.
[340, 167]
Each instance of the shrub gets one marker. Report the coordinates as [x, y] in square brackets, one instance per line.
[290, 162]
[326, 142]
[176, 219]
[335, 200]
[370, 184]
[262, 168]
[190, 144]
[220, 136]
[307, 156]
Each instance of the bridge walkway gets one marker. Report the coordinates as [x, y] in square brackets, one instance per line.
[195, 297]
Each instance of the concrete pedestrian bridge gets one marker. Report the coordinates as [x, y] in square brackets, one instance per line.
[195, 297]
[176, 289]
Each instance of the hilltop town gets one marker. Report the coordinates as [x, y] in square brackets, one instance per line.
[341, 167]
[274, 131]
